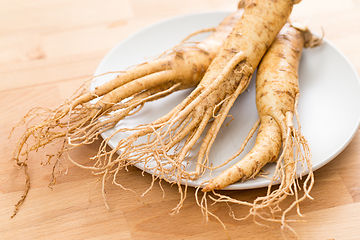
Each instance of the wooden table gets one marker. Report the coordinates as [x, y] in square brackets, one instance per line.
[48, 48]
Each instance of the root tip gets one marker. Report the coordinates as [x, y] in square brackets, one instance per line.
[208, 188]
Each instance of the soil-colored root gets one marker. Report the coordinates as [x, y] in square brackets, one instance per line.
[277, 95]
[85, 115]
[167, 146]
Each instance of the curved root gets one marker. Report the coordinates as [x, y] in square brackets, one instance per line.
[85, 115]
[277, 95]
[166, 146]
[269, 208]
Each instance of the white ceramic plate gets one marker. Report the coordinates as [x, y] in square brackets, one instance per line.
[328, 107]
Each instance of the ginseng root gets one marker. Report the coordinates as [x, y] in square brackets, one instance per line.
[165, 146]
[277, 93]
[79, 120]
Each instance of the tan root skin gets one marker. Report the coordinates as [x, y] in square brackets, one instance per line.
[170, 140]
[250, 39]
[265, 150]
[183, 67]
[75, 122]
[277, 93]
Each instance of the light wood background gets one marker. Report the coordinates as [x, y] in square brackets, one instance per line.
[48, 48]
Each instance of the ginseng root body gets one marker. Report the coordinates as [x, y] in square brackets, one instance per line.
[79, 120]
[169, 142]
[278, 140]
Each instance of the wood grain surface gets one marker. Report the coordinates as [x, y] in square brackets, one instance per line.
[47, 50]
